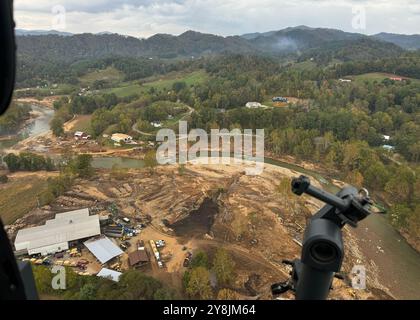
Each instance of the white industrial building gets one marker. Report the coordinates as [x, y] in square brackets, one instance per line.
[56, 234]
[103, 248]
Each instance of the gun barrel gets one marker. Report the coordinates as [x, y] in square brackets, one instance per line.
[303, 185]
[327, 197]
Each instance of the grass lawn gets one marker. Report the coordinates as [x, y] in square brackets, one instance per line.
[19, 196]
[82, 123]
[304, 66]
[164, 83]
[109, 74]
[126, 89]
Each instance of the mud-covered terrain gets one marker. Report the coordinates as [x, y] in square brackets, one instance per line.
[256, 218]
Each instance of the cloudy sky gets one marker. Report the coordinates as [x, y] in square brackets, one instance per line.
[142, 18]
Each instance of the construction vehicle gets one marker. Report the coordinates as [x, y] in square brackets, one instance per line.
[160, 243]
[74, 253]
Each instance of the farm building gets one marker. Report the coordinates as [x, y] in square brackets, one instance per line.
[103, 249]
[121, 137]
[138, 258]
[253, 105]
[56, 234]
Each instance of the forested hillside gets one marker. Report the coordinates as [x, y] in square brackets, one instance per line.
[125, 83]
[70, 48]
[338, 125]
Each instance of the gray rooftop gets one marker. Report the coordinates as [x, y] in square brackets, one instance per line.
[111, 274]
[68, 226]
[103, 249]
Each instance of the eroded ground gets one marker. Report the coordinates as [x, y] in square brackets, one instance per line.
[255, 218]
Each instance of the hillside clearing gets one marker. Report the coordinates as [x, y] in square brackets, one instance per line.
[379, 77]
[165, 83]
[20, 194]
[109, 74]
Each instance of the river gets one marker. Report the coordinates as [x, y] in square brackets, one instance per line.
[398, 262]
[40, 124]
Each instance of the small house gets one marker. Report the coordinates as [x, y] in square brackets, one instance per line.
[138, 258]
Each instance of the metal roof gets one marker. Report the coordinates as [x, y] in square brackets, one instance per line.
[68, 226]
[103, 249]
[108, 273]
[137, 257]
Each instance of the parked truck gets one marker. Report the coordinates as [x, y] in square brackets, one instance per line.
[155, 250]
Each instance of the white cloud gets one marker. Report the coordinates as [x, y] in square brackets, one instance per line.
[226, 17]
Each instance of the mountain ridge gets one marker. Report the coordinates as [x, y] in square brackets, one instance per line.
[292, 40]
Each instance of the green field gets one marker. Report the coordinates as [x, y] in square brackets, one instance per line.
[82, 123]
[304, 66]
[165, 83]
[20, 196]
[110, 75]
